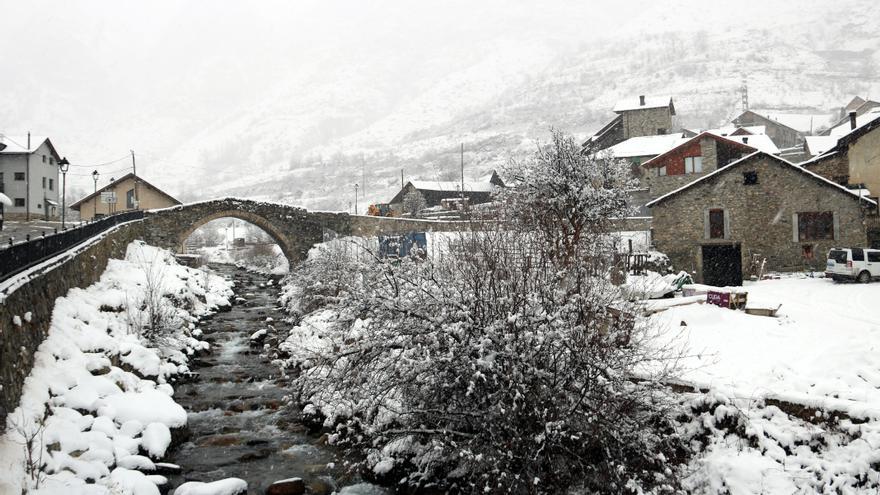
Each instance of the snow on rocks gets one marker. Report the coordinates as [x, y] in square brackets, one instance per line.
[99, 393]
[156, 439]
[228, 486]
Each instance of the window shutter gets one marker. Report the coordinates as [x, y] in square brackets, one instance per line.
[705, 224]
[726, 223]
[794, 227]
[836, 221]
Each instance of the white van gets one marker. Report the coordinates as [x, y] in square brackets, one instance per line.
[859, 264]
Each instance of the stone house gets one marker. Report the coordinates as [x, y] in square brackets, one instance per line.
[857, 105]
[697, 156]
[29, 176]
[131, 192]
[758, 205]
[434, 192]
[781, 131]
[642, 116]
[854, 162]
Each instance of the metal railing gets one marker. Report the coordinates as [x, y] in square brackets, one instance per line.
[15, 258]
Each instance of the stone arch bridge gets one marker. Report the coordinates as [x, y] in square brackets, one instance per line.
[295, 229]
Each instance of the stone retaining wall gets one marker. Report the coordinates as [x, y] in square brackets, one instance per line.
[36, 296]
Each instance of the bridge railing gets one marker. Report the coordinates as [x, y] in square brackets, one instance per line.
[15, 258]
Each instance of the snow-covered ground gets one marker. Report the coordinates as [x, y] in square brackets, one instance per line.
[97, 401]
[820, 351]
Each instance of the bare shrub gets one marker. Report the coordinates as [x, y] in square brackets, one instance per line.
[508, 364]
[30, 433]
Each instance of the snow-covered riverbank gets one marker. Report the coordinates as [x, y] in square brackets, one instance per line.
[98, 403]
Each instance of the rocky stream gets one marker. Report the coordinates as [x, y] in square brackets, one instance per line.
[239, 424]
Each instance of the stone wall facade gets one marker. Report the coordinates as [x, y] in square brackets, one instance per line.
[781, 135]
[646, 122]
[37, 296]
[761, 218]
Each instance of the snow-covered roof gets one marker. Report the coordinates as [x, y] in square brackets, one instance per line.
[18, 144]
[861, 120]
[820, 144]
[426, 185]
[647, 145]
[757, 154]
[802, 122]
[635, 103]
[728, 130]
[760, 142]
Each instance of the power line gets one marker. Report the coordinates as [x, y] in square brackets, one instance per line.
[102, 164]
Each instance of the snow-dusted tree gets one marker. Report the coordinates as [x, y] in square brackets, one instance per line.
[507, 364]
[413, 203]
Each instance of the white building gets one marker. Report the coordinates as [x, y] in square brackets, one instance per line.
[29, 176]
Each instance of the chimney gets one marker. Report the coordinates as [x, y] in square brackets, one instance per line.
[745, 140]
[641, 100]
[852, 120]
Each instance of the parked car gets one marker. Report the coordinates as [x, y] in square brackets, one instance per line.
[859, 264]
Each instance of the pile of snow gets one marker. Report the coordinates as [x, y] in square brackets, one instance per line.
[99, 389]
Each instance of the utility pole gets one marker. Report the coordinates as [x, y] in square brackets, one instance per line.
[134, 171]
[363, 176]
[27, 180]
[462, 175]
[401, 178]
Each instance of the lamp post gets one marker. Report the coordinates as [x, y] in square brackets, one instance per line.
[95, 178]
[63, 165]
[355, 198]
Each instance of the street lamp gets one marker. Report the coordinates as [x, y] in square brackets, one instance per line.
[95, 175]
[355, 198]
[63, 165]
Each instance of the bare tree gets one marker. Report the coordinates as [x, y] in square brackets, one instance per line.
[507, 363]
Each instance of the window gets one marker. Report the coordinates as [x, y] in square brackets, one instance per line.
[51, 184]
[874, 256]
[815, 226]
[693, 165]
[661, 171]
[19, 202]
[44, 158]
[51, 161]
[661, 131]
[19, 176]
[716, 224]
[44, 183]
[858, 254]
[129, 199]
[750, 178]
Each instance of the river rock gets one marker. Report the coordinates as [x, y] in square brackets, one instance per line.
[321, 486]
[292, 486]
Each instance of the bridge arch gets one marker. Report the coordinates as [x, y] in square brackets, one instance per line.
[284, 242]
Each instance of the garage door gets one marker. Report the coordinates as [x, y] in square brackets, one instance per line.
[722, 265]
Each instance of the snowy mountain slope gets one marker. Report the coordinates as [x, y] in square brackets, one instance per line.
[303, 111]
[498, 108]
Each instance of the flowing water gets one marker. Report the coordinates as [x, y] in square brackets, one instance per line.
[239, 424]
